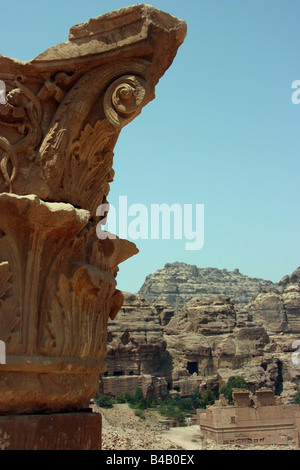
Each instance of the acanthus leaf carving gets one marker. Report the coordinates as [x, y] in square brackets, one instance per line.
[77, 317]
[9, 312]
[20, 115]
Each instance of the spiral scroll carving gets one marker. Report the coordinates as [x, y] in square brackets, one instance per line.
[124, 99]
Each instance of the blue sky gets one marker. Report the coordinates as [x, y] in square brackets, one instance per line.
[222, 131]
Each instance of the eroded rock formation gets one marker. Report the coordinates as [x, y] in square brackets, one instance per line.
[136, 350]
[209, 339]
[279, 306]
[62, 117]
[135, 338]
[178, 283]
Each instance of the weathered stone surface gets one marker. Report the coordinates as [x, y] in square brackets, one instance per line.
[98, 81]
[278, 308]
[178, 283]
[63, 114]
[209, 340]
[204, 337]
[59, 431]
[165, 311]
[136, 350]
[135, 341]
[260, 420]
[215, 315]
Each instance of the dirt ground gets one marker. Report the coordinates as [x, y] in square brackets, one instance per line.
[123, 430]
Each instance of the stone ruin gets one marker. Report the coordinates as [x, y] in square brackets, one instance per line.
[253, 420]
[60, 120]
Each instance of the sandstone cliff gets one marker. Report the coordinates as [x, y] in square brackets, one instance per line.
[278, 306]
[135, 350]
[160, 348]
[135, 338]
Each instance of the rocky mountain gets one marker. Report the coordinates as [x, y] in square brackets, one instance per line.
[177, 283]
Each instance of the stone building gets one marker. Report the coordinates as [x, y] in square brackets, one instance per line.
[259, 420]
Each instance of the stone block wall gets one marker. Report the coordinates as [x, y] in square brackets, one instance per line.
[259, 421]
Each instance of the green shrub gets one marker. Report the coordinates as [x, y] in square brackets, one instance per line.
[172, 412]
[174, 407]
[297, 397]
[233, 382]
[137, 400]
[177, 407]
[120, 399]
[104, 401]
[207, 398]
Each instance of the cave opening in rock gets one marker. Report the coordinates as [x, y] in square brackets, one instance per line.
[279, 379]
[192, 367]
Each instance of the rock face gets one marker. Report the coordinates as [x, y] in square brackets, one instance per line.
[209, 339]
[279, 307]
[60, 117]
[211, 316]
[135, 341]
[206, 335]
[178, 283]
[136, 350]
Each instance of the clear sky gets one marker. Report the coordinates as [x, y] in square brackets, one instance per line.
[222, 131]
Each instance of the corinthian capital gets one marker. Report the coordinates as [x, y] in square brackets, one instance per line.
[60, 120]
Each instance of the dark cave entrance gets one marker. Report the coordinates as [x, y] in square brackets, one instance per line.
[192, 367]
[279, 379]
[118, 373]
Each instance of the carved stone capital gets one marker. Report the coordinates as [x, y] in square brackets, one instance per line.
[64, 109]
[62, 117]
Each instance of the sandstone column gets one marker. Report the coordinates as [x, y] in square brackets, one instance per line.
[61, 119]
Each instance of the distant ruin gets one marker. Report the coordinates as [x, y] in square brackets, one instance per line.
[253, 420]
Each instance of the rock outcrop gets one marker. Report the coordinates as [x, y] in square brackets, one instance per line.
[206, 335]
[278, 307]
[136, 350]
[60, 118]
[135, 339]
[177, 283]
